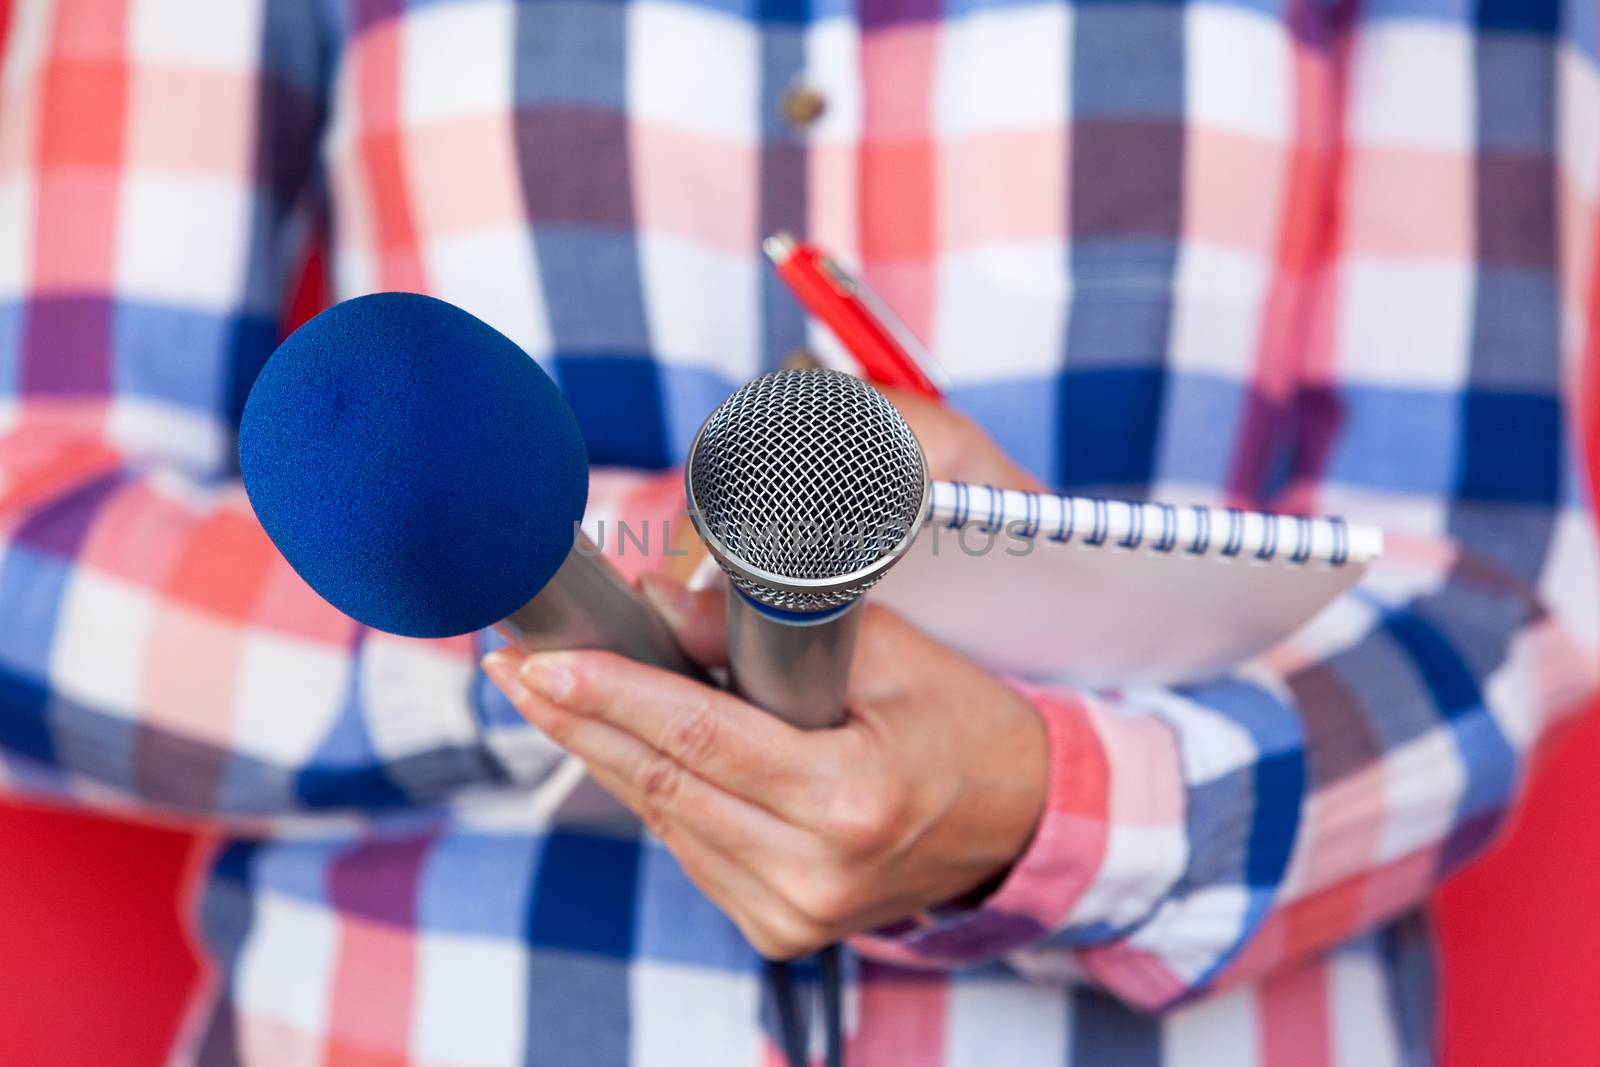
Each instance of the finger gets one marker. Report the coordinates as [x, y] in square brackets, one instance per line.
[891, 656]
[777, 883]
[698, 617]
[896, 664]
[685, 550]
[728, 847]
[927, 417]
[665, 794]
[956, 447]
[722, 843]
[718, 737]
[781, 883]
[765, 918]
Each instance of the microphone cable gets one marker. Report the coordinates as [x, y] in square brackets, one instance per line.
[791, 1035]
[831, 979]
[792, 1032]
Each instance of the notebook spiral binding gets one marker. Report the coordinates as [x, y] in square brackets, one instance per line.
[1193, 530]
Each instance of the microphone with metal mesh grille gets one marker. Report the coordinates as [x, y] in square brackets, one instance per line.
[806, 486]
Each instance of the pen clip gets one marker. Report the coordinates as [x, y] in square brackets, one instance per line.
[902, 334]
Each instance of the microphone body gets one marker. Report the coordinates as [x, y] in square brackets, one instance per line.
[806, 486]
[587, 604]
[793, 666]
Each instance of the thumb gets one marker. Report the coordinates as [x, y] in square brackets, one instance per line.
[697, 618]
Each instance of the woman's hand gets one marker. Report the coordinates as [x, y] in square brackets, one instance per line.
[930, 788]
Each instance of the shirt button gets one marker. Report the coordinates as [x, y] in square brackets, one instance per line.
[802, 105]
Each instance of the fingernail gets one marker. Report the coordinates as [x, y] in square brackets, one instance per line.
[672, 600]
[549, 676]
[501, 667]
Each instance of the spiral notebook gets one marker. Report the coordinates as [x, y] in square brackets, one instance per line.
[1104, 592]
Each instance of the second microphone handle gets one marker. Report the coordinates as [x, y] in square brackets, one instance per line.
[794, 667]
[589, 604]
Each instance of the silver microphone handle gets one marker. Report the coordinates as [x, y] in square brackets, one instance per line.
[587, 604]
[795, 670]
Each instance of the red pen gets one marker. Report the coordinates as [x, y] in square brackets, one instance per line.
[888, 352]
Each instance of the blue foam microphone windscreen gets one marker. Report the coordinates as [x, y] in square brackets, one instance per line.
[416, 467]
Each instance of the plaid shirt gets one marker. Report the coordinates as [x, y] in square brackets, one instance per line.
[1298, 254]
